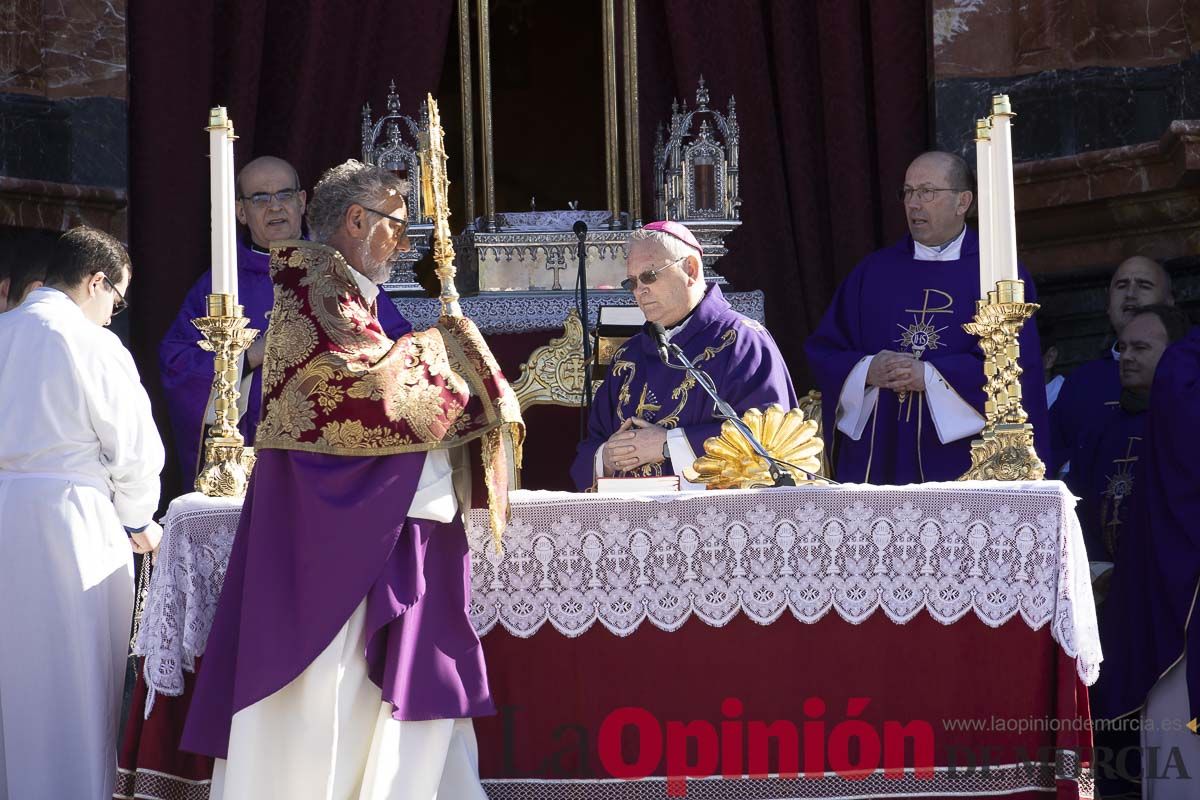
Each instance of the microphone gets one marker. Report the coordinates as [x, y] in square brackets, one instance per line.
[660, 339]
[580, 227]
[722, 410]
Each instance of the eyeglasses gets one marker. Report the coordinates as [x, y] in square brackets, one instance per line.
[648, 277]
[923, 193]
[264, 199]
[403, 223]
[120, 303]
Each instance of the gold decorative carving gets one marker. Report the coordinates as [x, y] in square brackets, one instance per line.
[1005, 450]
[729, 461]
[227, 462]
[553, 373]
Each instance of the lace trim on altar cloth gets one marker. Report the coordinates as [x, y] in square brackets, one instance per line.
[146, 784]
[994, 781]
[994, 550]
[521, 313]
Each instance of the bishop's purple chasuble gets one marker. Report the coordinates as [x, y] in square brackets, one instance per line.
[892, 301]
[735, 351]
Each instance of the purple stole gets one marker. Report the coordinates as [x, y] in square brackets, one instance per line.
[891, 301]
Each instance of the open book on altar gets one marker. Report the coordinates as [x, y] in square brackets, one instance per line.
[655, 485]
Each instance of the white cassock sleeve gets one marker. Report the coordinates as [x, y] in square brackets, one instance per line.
[953, 417]
[857, 400]
[682, 457]
[131, 450]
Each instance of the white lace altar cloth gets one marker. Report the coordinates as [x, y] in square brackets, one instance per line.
[995, 550]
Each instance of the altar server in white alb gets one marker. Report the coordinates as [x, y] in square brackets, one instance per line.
[79, 465]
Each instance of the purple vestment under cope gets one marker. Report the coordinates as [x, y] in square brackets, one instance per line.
[892, 301]
[318, 534]
[187, 371]
[735, 351]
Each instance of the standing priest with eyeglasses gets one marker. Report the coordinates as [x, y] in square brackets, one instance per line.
[902, 382]
[271, 206]
[649, 419]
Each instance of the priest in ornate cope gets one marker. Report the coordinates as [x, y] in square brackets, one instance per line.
[341, 659]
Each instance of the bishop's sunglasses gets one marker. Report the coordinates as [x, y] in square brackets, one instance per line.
[648, 277]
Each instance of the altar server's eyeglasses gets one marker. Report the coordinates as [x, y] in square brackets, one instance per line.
[648, 277]
[403, 223]
[264, 199]
[923, 193]
[119, 305]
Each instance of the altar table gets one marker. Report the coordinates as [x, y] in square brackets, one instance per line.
[684, 645]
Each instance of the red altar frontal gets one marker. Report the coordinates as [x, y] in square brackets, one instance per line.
[848, 641]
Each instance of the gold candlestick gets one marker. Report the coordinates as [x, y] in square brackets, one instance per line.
[1005, 452]
[227, 462]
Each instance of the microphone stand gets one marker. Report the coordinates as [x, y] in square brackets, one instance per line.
[580, 229]
[781, 477]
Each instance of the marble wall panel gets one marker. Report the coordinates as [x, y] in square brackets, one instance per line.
[21, 68]
[84, 48]
[1067, 112]
[1004, 38]
[47, 205]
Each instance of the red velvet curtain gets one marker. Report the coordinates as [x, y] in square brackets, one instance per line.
[293, 75]
[832, 101]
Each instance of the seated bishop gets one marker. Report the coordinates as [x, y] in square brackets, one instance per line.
[650, 419]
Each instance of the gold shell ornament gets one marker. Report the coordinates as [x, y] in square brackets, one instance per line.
[729, 462]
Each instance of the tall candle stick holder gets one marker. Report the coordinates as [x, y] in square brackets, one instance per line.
[227, 461]
[1004, 451]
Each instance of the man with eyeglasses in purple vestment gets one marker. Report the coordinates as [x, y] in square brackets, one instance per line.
[649, 419]
[902, 382]
[270, 206]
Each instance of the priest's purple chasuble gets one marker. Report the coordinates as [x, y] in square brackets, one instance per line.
[892, 301]
[1085, 402]
[1102, 477]
[1144, 622]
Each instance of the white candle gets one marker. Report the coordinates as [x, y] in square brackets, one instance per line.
[983, 197]
[230, 235]
[1004, 215]
[224, 281]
